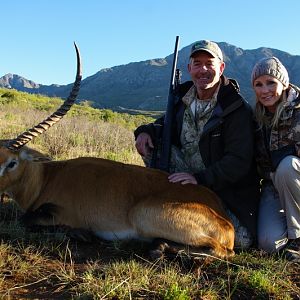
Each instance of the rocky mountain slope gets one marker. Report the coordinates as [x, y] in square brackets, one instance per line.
[144, 85]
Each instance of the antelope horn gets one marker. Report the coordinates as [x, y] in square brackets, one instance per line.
[28, 135]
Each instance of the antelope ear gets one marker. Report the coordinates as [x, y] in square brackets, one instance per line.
[25, 155]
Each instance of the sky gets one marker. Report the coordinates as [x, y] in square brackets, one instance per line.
[37, 35]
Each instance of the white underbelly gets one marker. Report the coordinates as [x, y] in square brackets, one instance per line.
[117, 235]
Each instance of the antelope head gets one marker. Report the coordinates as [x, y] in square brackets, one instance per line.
[10, 154]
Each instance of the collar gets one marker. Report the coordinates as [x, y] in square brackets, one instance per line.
[191, 96]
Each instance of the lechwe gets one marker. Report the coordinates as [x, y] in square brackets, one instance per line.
[111, 199]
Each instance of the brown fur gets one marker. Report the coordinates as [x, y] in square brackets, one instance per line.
[111, 198]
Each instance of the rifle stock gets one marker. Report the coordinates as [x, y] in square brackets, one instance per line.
[167, 129]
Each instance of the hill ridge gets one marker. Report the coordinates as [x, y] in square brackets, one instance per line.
[144, 85]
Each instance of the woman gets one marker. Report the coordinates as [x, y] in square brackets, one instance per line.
[277, 114]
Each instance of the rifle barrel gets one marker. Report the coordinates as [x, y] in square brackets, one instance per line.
[175, 57]
[167, 130]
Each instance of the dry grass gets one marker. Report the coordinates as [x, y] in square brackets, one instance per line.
[73, 136]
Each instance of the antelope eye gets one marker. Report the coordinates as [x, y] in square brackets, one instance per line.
[12, 164]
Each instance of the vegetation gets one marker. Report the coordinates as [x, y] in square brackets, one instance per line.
[85, 131]
[45, 264]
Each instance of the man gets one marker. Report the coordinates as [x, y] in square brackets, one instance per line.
[212, 139]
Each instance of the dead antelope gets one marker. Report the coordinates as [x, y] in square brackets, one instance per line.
[111, 199]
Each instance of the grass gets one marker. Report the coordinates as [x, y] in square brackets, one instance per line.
[46, 264]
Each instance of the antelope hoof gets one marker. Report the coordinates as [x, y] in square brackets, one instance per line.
[156, 254]
[159, 247]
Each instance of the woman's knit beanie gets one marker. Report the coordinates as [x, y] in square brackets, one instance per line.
[273, 67]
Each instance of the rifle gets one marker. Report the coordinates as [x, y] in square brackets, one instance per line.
[167, 129]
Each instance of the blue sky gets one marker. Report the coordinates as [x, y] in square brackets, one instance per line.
[37, 35]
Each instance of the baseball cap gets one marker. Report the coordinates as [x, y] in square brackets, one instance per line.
[208, 46]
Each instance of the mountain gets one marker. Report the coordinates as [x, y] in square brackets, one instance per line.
[144, 85]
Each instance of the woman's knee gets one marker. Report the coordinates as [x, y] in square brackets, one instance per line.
[287, 167]
[271, 244]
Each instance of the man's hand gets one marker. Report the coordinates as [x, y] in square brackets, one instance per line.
[184, 178]
[143, 144]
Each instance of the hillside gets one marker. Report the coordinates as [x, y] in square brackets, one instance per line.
[144, 85]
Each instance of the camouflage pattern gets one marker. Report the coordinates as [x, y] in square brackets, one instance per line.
[196, 115]
[287, 133]
[177, 161]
